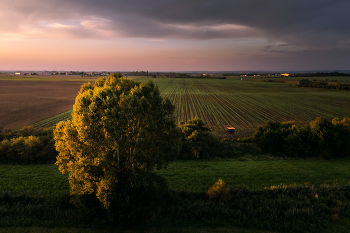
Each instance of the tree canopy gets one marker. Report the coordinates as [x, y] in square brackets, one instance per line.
[118, 127]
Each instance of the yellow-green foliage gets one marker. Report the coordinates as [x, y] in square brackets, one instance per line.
[21, 147]
[345, 122]
[118, 127]
[219, 191]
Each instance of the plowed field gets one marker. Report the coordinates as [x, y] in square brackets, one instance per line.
[25, 102]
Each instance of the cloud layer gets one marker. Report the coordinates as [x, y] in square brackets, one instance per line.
[308, 24]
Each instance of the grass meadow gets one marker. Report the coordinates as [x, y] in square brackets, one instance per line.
[195, 175]
[39, 195]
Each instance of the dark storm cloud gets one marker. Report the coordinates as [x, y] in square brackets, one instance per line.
[312, 24]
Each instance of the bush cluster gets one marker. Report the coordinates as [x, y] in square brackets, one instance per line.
[197, 141]
[323, 84]
[322, 138]
[27, 145]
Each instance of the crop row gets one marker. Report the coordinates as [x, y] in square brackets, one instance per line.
[244, 105]
[52, 121]
[248, 104]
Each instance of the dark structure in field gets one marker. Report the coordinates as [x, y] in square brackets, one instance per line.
[230, 130]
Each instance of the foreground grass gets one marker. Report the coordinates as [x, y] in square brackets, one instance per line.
[195, 175]
[45, 179]
[41, 197]
[200, 175]
[169, 230]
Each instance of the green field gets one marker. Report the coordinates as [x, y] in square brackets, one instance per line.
[195, 176]
[52, 121]
[246, 104]
[42, 188]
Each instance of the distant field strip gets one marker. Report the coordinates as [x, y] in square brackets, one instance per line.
[52, 121]
[248, 104]
[56, 78]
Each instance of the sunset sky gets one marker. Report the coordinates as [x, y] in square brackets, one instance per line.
[174, 35]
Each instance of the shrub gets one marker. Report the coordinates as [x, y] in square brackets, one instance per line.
[331, 138]
[276, 137]
[219, 191]
[28, 145]
[197, 140]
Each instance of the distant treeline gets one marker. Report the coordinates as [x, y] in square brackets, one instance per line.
[320, 74]
[139, 73]
[278, 75]
[272, 81]
[182, 75]
[323, 84]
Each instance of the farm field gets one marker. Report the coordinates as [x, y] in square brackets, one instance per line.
[25, 102]
[247, 104]
[4, 77]
[196, 176]
[244, 104]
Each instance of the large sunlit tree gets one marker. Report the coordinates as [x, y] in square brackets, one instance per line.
[120, 131]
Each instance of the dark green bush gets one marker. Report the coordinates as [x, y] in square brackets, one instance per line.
[322, 138]
[197, 140]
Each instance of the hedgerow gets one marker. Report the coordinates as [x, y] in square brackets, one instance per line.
[27, 145]
[322, 138]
